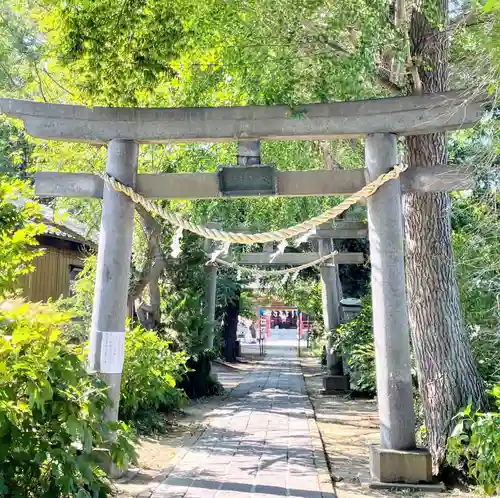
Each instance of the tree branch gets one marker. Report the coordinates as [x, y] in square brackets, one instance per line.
[381, 75]
[155, 260]
[9, 76]
[57, 83]
[387, 83]
[328, 160]
[40, 84]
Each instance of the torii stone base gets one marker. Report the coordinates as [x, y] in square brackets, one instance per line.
[438, 487]
[409, 469]
[336, 384]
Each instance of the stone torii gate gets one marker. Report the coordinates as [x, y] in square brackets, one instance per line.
[325, 234]
[378, 121]
[335, 381]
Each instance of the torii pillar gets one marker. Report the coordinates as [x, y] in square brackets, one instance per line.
[210, 297]
[107, 336]
[335, 381]
[396, 460]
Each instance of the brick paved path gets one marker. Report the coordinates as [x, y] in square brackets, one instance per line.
[257, 444]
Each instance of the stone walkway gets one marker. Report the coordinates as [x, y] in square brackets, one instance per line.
[263, 442]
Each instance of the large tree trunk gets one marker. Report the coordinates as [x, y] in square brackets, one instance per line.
[230, 327]
[447, 373]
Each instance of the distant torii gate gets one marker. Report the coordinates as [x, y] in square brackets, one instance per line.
[379, 121]
[331, 298]
[335, 381]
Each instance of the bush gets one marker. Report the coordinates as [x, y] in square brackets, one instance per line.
[150, 373]
[52, 429]
[485, 344]
[474, 446]
[354, 340]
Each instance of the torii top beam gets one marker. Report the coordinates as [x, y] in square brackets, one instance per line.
[399, 115]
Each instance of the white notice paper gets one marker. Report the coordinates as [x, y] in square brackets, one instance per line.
[112, 352]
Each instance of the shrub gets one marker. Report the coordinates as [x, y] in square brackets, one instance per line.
[485, 344]
[475, 445]
[52, 430]
[354, 340]
[150, 373]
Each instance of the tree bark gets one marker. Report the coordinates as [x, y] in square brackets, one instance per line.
[149, 315]
[230, 327]
[447, 373]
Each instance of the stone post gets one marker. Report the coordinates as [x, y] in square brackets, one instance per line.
[335, 380]
[249, 153]
[340, 294]
[107, 339]
[396, 460]
[210, 297]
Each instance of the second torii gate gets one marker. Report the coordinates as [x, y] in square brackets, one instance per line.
[267, 259]
[335, 380]
[378, 121]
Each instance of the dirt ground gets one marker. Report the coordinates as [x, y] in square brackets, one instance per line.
[348, 427]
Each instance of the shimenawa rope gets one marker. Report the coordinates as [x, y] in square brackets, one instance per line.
[255, 238]
[270, 236]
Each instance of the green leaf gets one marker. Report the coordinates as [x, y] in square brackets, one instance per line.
[457, 429]
[75, 427]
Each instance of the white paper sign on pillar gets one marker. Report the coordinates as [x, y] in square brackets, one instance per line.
[112, 352]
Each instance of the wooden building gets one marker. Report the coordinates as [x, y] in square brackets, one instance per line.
[65, 243]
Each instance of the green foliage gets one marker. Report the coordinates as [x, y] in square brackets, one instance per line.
[476, 245]
[227, 53]
[183, 296]
[198, 381]
[474, 445]
[80, 303]
[150, 374]
[476, 242]
[15, 150]
[485, 343]
[93, 36]
[17, 234]
[475, 50]
[247, 305]
[52, 429]
[355, 342]
[19, 49]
